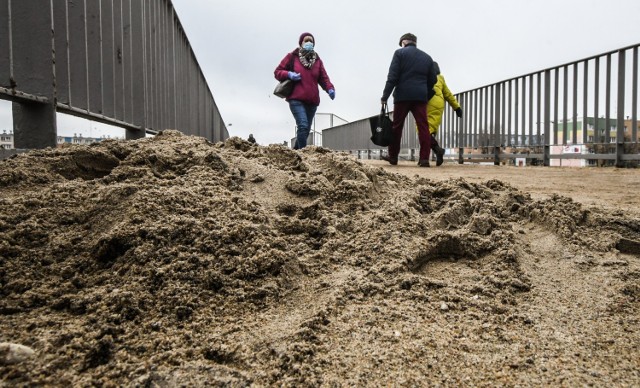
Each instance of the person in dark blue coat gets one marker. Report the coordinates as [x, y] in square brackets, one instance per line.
[411, 78]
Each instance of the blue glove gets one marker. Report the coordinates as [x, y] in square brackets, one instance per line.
[332, 93]
[293, 76]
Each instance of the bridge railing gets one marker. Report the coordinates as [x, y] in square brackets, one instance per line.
[126, 63]
[584, 111]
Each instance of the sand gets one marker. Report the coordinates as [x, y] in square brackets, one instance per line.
[173, 261]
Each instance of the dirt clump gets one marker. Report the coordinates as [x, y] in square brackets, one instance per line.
[175, 261]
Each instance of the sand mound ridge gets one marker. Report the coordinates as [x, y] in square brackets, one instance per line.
[175, 261]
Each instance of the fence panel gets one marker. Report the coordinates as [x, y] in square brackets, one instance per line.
[556, 116]
[121, 62]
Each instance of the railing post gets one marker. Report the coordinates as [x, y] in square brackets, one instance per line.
[497, 131]
[547, 118]
[620, 116]
[32, 72]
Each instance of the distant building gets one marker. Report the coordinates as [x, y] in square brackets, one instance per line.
[603, 134]
[6, 140]
[79, 139]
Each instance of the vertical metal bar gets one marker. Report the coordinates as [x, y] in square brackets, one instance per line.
[620, 109]
[138, 65]
[565, 105]
[574, 138]
[516, 107]
[634, 99]
[6, 44]
[77, 56]
[146, 54]
[607, 119]
[160, 66]
[162, 63]
[86, 56]
[547, 115]
[127, 60]
[503, 96]
[556, 100]
[485, 116]
[531, 131]
[472, 114]
[108, 58]
[61, 52]
[118, 63]
[94, 41]
[152, 61]
[490, 120]
[184, 71]
[171, 58]
[174, 65]
[33, 72]
[525, 130]
[459, 123]
[510, 115]
[468, 113]
[539, 107]
[585, 102]
[475, 128]
[194, 128]
[462, 99]
[497, 125]
[596, 98]
[171, 74]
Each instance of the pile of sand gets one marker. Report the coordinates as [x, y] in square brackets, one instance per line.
[175, 261]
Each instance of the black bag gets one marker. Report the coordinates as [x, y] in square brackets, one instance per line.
[284, 88]
[381, 128]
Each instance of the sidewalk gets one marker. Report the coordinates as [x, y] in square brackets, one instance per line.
[602, 186]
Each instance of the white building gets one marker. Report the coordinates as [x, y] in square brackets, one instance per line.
[6, 140]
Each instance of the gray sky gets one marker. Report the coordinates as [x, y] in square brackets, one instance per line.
[238, 44]
[476, 42]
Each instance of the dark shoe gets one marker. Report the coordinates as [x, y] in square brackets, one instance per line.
[439, 156]
[393, 162]
[424, 163]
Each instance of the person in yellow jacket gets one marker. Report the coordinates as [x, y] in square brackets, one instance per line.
[435, 108]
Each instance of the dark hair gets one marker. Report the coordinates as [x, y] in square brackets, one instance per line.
[408, 36]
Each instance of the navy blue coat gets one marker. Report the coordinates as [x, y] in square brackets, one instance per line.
[412, 74]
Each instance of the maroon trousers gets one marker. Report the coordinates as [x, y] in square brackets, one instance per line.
[419, 111]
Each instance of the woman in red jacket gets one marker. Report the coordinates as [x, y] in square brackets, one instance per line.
[305, 68]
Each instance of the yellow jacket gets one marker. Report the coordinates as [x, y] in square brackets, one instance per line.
[436, 104]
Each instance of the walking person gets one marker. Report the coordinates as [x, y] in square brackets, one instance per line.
[411, 78]
[306, 69]
[435, 109]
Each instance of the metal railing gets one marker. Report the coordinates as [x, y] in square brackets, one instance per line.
[126, 63]
[585, 110]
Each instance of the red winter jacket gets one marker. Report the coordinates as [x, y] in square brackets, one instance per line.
[305, 90]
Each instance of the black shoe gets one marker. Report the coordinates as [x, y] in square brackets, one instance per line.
[424, 163]
[392, 162]
[439, 156]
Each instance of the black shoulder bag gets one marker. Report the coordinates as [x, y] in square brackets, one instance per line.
[381, 128]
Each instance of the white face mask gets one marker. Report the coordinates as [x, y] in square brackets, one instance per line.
[307, 46]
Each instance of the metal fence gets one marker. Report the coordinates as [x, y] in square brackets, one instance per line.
[585, 110]
[126, 63]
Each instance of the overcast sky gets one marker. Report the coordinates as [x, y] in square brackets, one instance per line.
[238, 44]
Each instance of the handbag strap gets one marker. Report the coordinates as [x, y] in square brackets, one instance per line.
[292, 61]
[384, 110]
